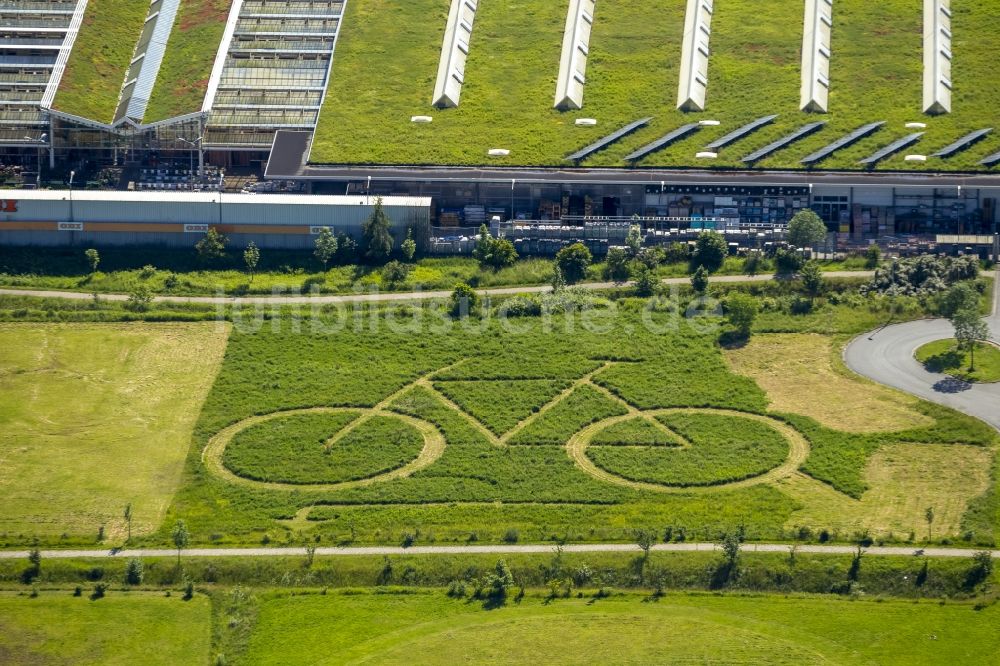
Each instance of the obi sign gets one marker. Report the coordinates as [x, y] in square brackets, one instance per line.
[8, 205]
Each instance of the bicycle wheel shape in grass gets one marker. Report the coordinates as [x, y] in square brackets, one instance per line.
[323, 448]
[678, 449]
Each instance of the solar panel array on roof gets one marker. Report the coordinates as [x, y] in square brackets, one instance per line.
[609, 139]
[801, 132]
[663, 141]
[842, 142]
[893, 147]
[990, 160]
[738, 134]
[963, 143]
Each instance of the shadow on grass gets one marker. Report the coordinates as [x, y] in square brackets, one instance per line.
[950, 360]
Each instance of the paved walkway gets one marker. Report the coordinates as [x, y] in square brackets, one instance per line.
[393, 296]
[499, 550]
[887, 356]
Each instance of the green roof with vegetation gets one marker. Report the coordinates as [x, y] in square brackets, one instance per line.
[187, 65]
[91, 85]
[507, 97]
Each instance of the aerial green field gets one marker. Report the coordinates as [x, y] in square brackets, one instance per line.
[97, 416]
[945, 356]
[429, 628]
[56, 628]
[507, 97]
[529, 425]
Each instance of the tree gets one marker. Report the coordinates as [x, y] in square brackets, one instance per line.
[929, 517]
[573, 261]
[133, 571]
[633, 240]
[645, 281]
[873, 256]
[211, 246]
[710, 251]
[180, 536]
[741, 310]
[616, 264]
[251, 257]
[969, 330]
[464, 300]
[751, 265]
[377, 241]
[806, 229]
[812, 279]
[93, 259]
[128, 521]
[395, 272]
[409, 246]
[645, 539]
[962, 295]
[326, 246]
[699, 280]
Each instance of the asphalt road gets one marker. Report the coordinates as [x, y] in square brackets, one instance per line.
[391, 296]
[499, 550]
[887, 356]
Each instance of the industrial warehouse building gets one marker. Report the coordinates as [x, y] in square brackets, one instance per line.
[61, 217]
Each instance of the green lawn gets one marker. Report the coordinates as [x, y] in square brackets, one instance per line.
[187, 64]
[876, 74]
[96, 68]
[508, 398]
[945, 356]
[96, 416]
[56, 628]
[429, 628]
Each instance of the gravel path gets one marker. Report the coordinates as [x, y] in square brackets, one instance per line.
[389, 296]
[499, 550]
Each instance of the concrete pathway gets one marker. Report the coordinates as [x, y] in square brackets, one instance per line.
[393, 296]
[498, 550]
[887, 356]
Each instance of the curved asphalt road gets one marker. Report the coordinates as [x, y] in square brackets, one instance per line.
[887, 356]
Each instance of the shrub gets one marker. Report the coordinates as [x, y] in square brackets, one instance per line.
[710, 251]
[645, 281]
[873, 257]
[456, 589]
[133, 571]
[812, 279]
[409, 246]
[511, 536]
[741, 311]
[616, 264]
[395, 272]
[573, 261]
[676, 253]
[522, 306]
[924, 275]
[147, 271]
[98, 592]
[139, 299]
[787, 261]
[699, 280]
[495, 253]
[464, 301]
[171, 281]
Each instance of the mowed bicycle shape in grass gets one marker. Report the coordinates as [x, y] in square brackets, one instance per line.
[665, 450]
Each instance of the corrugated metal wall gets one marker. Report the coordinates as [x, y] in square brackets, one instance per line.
[36, 221]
